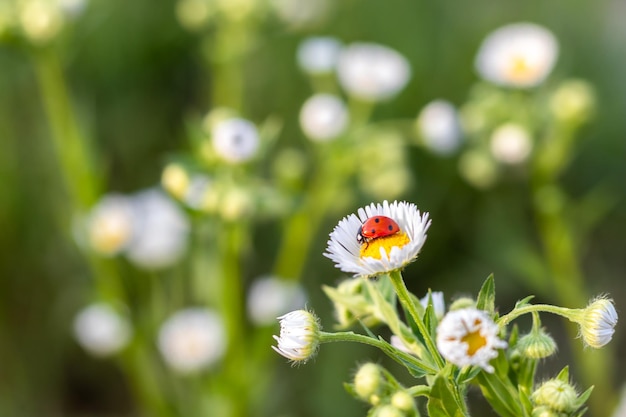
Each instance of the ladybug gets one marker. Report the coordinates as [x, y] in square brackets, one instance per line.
[375, 227]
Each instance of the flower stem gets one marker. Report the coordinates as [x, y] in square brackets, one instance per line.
[568, 313]
[419, 390]
[359, 338]
[405, 299]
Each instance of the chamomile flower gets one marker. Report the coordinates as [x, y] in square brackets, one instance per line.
[101, 330]
[270, 296]
[517, 55]
[323, 117]
[235, 140]
[511, 144]
[109, 226]
[372, 72]
[299, 336]
[382, 254]
[439, 127]
[318, 54]
[469, 337]
[192, 339]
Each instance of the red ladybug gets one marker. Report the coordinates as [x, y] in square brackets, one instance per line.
[375, 227]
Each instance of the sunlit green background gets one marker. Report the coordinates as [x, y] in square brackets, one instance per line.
[135, 74]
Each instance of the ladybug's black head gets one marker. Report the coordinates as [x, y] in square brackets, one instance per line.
[359, 235]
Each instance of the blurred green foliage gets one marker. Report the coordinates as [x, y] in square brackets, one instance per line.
[135, 75]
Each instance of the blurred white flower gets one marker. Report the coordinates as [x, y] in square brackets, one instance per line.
[192, 339]
[511, 144]
[469, 337]
[100, 330]
[440, 127]
[41, 20]
[301, 13]
[194, 14]
[270, 297]
[235, 140]
[318, 55]
[199, 187]
[72, 8]
[160, 231]
[517, 55]
[439, 304]
[383, 254]
[371, 71]
[323, 117]
[110, 224]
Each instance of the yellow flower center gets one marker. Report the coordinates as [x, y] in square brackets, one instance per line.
[520, 70]
[474, 341]
[372, 248]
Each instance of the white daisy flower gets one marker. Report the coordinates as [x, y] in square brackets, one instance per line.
[511, 144]
[192, 339]
[109, 226]
[41, 21]
[323, 117]
[299, 336]
[440, 128]
[319, 54]
[235, 140]
[382, 254]
[160, 231]
[469, 337]
[271, 296]
[101, 330]
[372, 72]
[517, 55]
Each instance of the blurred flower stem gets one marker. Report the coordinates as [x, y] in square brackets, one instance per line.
[71, 147]
[74, 156]
[562, 254]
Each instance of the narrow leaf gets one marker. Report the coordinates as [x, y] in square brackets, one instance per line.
[487, 296]
[442, 402]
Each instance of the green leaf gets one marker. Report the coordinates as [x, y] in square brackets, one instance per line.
[442, 402]
[500, 393]
[384, 310]
[582, 398]
[487, 296]
[523, 301]
[525, 402]
[564, 375]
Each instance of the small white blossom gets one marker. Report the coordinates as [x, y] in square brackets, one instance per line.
[517, 55]
[271, 296]
[511, 144]
[299, 336]
[160, 231]
[439, 127]
[318, 55]
[372, 72]
[192, 339]
[110, 224]
[301, 13]
[439, 304]
[469, 337]
[323, 117]
[41, 20]
[384, 255]
[235, 140]
[100, 330]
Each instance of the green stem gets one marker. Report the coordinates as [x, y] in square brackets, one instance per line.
[405, 299]
[546, 308]
[419, 390]
[71, 147]
[359, 338]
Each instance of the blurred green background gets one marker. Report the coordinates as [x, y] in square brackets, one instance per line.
[135, 75]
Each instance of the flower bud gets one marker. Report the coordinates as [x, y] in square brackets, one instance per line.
[463, 302]
[299, 336]
[543, 411]
[597, 323]
[557, 395]
[367, 381]
[537, 345]
[573, 101]
[403, 401]
[388, 411]
[175, 180]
